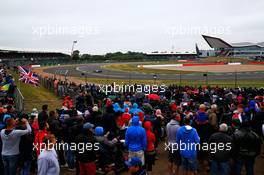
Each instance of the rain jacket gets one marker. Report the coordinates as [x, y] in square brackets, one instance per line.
[150, 136]
[187, 137]
[135, 137]
[117, 107]
[135, 109]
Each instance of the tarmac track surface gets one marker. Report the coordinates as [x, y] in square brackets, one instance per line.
[88, 69]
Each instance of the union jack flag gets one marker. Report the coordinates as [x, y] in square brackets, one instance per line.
[27, 76]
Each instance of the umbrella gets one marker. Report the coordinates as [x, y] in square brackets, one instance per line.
[153, 97]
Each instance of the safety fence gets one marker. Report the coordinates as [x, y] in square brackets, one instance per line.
[19, 100]
[59, 87]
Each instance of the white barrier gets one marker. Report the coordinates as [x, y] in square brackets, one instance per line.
[36, 65]
[234, 64]
[160, 65]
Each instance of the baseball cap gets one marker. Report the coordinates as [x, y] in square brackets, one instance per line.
[88, 126]
[99, 131]
[134, 161]
[6, 116]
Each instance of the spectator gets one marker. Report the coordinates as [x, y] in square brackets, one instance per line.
[43, 117]
[86, 158]
[221, 158]
[203, 128]
[25, 148]
[80, 102]
[135, 166]
[157, 127]
[188, 137]
[72, 127]
[239, 117]
[10, 145]
[213, 117]
[150, 151]
[67, 102]
[135, 140]
[47, 161]
[39, 135]
[247, 146]
[258, 121]
[123, 120]
[174, 153]
[56, 129]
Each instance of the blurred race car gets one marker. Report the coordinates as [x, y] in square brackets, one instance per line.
[98, 71]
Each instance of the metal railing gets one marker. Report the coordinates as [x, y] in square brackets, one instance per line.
[19, 100]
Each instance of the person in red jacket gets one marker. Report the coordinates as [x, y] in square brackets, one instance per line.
[141, 116]
[126, 116]
[150, 151]
[67, 102]
[39, 135]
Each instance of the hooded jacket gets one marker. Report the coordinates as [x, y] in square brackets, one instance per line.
[117, 107]
[135, 137]
[135, 109]
[172, 129]
[187, 138]
[150, 136]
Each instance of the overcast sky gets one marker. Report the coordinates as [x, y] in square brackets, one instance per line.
[101, 26]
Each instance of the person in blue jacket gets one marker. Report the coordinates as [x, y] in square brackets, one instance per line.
[135, 140]
[135, 110]
[187, 139]
[117, 107]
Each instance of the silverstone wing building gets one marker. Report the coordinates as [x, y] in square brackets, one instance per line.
[241, 50]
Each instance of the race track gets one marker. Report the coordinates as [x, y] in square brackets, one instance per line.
[76, 71]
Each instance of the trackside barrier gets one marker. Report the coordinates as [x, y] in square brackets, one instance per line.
[19, 100]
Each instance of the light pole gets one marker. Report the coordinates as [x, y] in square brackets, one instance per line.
[74, 42]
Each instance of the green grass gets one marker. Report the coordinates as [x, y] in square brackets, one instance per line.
[35, 97]
[134, 68]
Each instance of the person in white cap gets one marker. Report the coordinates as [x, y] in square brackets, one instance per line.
[220, 156]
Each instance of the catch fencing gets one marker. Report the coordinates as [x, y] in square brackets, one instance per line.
[19, 100]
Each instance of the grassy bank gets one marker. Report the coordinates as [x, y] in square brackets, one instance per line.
[35, 97]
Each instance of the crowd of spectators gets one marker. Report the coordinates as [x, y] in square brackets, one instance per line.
[128, 130]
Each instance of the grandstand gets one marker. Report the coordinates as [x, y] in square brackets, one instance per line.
[241, 50]
[13, 57]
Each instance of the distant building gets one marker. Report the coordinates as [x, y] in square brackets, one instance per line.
[206, 53]
[13, 57]
[241, 50]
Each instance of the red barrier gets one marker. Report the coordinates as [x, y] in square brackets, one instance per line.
[256, 62]
[204, 64]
